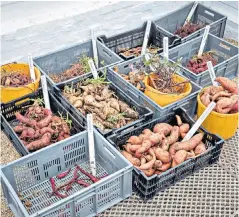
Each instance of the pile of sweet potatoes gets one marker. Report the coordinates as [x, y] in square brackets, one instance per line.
[156, 151]
[38, 127]
[187, 29]
[199, 64]
[226, 96]
[14, 79]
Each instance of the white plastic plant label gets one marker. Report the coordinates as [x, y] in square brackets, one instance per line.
[91, 144]
[191, 12]
[204, 39]
[212, 73]
[95, 54]
[93, 69]
[146, 37]
[147, 58]
[165, 47]
[45, 92]
[31, 67]
[199, 121]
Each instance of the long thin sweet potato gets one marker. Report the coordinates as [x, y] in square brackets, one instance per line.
[129, 157]
[25, 120]
[149, 165]
[228, 84]
[201, 148]
[41, 143]
[44, 122]
[221, 94]
[190, 144]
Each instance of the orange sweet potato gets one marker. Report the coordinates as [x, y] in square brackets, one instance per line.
[179, 157]
[163, 128]
[162, 155]
[200, 148]
[171, 139]
[40, 143]
[130, 158]
[228, 84]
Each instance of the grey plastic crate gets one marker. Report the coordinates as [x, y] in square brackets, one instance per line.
[226, 53]
[189, 103]
[31, 174]
[60, 60]
[135, 38]
[202, 14]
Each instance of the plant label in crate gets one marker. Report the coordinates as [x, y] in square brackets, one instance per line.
[45, 92]
[95, 54]
[91, 144]
[31, 67]
[199, 121]
[93, 69]
[146, 37]
[147, 58]
[191, 13]
[203, 42]
[212, 73]
[165, 47]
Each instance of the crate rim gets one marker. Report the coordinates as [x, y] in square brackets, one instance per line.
[160, 107]
[216, 66]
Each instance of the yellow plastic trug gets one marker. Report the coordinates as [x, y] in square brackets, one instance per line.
[225, 125]
[164, 99]
[10, 93]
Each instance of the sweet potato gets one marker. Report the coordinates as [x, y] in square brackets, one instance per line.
[25, 120]
[127, 148]
[234, 108]
[41, 143]
[157, 164]
[191, 154]
[46, 129]
[162, 155]
[146, 144]
[130, 158]
[148, 157]
[200, 148]
[156, 138]
[221, 94]
[148, 172]
[19, 128]
[90, 100]
[179, 120]
[147, 131]
[190, 144]
[28, 132]
[142, 161]
[157, 172]
[44, 122]
[171, 139]
[149, 165]
[205, 99]
[184, 128]
[225, 105]
[134, 148]
[165, 167]
[183, 135]
[228, 84]
[163, 128]
[179, 157]
[135, 140]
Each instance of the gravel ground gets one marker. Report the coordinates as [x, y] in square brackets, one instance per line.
[8, 154]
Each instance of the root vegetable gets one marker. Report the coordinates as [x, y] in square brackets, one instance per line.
[28, 132]
[200, 148]
[157, 172]
[135, 140]
[44, 122]
[179, 120]
[146, 144]
[90, 100]
[114, 104]
[228, 84]
[170, 139]
[130, 158]
[162, 155]
[127, 147]
[191, 154]
[46, 130]
[41, 143]
[179, 157]
[206, 99]
[158, 164]
[142, 161]
[134, 148]
[25, 120]
[148, 172]
[225, 105]
[156, 138]
[221, 94]
[165, 167]
[147, 132]
[19, 128]
[183, 135]
[78, 104]
[184, 128]
[163, 128]
[190, 144]
[149, 165]
[148, 157]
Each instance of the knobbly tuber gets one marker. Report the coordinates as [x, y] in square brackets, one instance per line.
[154, 152]
[38, 127]
[225, 96]
[94, 96]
